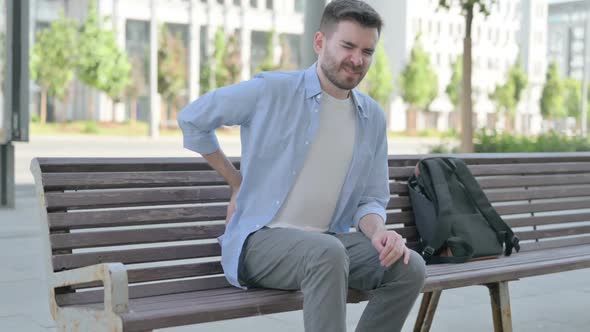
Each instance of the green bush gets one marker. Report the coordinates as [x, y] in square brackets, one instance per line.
[492, 141]
[91, 128]
[35, 118]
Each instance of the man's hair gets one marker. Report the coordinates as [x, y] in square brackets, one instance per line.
[349, 10]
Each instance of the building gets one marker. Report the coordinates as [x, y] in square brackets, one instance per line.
[251, 20]
[514, 27]
[566, 31]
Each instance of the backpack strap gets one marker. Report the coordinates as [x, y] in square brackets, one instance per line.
[457, 246]
[503, 231]
[430, 169]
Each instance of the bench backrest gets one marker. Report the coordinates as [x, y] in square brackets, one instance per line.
[161, 216]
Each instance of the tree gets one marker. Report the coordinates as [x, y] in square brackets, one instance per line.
[503, 97]
[468, 8]
[232, 59]
[101, 63]
[268, 62]
[379, 81]
[573, 99]
[53, 61]
[453, 89]
[419, 83]
[172, 69]
[552, 101]
[138, 84]
[508, 96]
[285, 63]
[221, 73]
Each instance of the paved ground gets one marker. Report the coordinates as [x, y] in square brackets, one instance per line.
[556, 302]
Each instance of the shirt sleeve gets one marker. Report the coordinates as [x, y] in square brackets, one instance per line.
[226, 106]
[375, 197]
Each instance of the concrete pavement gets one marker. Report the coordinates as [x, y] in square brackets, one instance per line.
[555, 302]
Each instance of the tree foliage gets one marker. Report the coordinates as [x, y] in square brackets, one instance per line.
[419, 82]
[573, 97]
[53, 60]
[379, 81]
[101, 63]
[268, 62]
[54, 56]
[453, 89]
[508, 95]
[552, 97]
[172, 65]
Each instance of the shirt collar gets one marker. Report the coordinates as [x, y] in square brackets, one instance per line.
[313, 88]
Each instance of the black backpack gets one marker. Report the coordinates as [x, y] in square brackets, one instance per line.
[452, 213]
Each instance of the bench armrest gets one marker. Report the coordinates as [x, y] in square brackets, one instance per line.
[113, 277]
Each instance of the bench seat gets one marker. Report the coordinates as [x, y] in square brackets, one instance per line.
[228, 302]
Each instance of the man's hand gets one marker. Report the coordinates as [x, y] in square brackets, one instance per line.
[231, 208]
[391, 247]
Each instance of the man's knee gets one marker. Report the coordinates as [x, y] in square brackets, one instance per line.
[412, 273]
[331, 254]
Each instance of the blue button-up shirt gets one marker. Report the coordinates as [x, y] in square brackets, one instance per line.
[279, 117]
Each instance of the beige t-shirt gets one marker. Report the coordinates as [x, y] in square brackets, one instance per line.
[311, 202]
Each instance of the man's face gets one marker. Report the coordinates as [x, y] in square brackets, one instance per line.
[345, 55]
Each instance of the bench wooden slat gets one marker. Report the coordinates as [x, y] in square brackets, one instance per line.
[193, 313]
[133, 256]
[76, 165]
[513, 182]
[146, 290]
[158, 273]
[404, 173]
[496, 158]
[508, 195]
[134, 236]
[136, 197]
[557, 232]
[547, 220]
[102, 180]
[511, 272]
[555, 243]
[114, 218]
[543, 207]
[515, 259]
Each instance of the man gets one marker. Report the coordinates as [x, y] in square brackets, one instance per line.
[314, 163]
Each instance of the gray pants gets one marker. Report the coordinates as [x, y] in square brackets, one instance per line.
[324, 266]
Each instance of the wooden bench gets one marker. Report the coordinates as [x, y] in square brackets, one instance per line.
[131, 243]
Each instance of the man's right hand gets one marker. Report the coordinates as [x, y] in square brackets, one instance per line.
[231, 208]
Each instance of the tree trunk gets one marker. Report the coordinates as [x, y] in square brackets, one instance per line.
[43, 115]
[467, 104]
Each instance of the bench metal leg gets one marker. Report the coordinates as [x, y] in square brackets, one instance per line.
[500, 300]
[427, 310]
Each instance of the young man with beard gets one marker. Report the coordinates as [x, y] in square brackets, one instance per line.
[314, 163]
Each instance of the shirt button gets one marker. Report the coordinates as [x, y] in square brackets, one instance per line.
[294, 172]
[306, 142]
[315, 110]
[277, 202]
[257, 226]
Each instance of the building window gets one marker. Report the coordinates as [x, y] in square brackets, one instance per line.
[254, 3]
[237, 3]
[220, 2]
[269, 5]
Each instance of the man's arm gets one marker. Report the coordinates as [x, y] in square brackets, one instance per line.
[390, 245]
[232, 176]
[370, 215]
[231, 105]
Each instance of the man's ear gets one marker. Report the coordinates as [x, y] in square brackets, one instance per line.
[318, 42]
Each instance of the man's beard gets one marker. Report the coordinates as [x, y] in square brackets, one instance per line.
[331, 70]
